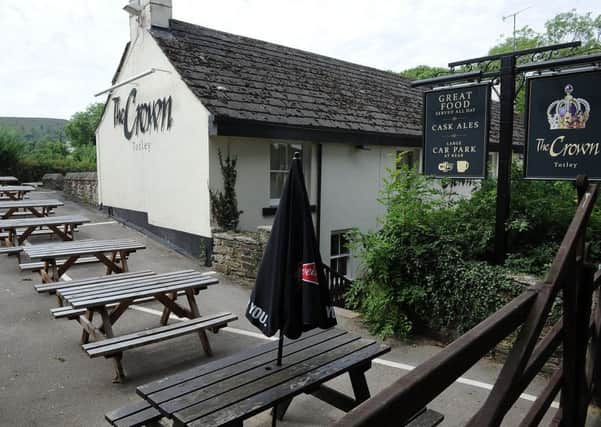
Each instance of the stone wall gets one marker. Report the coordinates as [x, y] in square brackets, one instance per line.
[81, 186]
[53, 181]
[238, 255]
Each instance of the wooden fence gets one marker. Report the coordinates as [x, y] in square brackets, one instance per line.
[577, 332]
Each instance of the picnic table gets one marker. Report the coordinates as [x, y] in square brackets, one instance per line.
[15, 192]
[8, 179]
[109, 252]
[234, 388]
[20, 229]
[35, 207]
[87, 299]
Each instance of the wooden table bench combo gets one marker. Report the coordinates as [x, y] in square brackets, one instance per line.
[20, 229]
[54, 259]
[8, 179]
[228, 391]
[14, 192]
[39, 208]
[120, 293]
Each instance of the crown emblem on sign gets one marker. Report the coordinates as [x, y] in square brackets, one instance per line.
[569, 112]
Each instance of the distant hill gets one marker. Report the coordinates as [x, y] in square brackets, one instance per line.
[36, 128]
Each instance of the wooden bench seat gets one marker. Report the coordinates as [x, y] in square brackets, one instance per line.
[39, 265]
[11, 250]
[90, 281]
[42, 232]
[23, 214]
[139, 413]
[111, 346]
[68, 312]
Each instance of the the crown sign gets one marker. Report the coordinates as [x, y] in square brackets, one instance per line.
[569, 112]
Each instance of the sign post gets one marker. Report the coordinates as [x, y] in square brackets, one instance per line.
[456, 131]
[479, 69]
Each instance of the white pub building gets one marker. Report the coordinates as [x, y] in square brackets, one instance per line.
[183, 92]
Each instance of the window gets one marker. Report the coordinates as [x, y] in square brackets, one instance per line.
[339, 252]
[279, 163]
[493, 164]
[409, 158]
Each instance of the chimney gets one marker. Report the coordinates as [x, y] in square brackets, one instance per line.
[148, 13]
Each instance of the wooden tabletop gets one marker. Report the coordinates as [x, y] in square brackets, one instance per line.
[31, 203]
[135, 288]
[42, 221]
[81, 247]
[239, 386]
[11, 188]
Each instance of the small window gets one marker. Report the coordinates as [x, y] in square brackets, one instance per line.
[279, 163]
[339, 252]
[492, 164]
[407, 158]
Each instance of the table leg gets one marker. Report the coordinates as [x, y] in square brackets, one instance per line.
[108, 331]
[64, 236]
[85, 335]
[55, 276]
[10, 239]
[111, 266]
[166, 310]
[204, 340]
[281, 408]
[124, 267]
[63, 268]
[9, 213]
[26, 233]
[359, 383]
[109, 270]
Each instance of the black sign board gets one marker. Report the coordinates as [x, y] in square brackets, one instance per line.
[563, 129]
[456, 131]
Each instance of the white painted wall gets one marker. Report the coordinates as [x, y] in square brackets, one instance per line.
[170, 181]
[351, 182]
[252, 185]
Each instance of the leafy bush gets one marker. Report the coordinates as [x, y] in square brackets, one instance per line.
[427, 265]
[224, 205]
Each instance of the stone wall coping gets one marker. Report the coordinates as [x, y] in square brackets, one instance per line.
[240, 237]
[86, 176]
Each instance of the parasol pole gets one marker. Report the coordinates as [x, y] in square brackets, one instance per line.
[280, 348]
[297, 156]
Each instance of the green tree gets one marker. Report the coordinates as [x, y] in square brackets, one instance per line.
[82, 127]
[423, 72]
[11, 148]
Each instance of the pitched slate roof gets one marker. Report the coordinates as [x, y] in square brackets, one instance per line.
[241, 78]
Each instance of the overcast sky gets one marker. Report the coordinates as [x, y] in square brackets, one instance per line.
[56, 55]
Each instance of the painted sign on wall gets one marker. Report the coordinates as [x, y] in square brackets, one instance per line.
[456, 131]
[563, 136]
[140, 118]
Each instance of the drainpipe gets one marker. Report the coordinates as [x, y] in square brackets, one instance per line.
[318, 207]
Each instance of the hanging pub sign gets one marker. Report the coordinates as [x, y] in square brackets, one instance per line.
[456, 131]
[563, 129]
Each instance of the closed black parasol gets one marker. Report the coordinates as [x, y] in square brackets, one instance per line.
[291, 292]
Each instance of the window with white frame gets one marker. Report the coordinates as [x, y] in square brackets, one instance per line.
[280, 156]
[339, 252]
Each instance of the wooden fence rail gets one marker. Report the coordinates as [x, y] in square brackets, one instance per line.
[577, 378]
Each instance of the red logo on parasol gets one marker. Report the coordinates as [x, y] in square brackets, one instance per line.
[309, 273]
